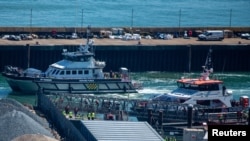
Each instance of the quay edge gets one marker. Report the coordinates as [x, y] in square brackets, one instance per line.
[142, 30]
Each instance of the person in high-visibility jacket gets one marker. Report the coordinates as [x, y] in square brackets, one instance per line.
[92, 115]
[166, 138]
[70, 114]
[89, 116]
[64, 113]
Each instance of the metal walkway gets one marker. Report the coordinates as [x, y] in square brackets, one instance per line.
[145, 110]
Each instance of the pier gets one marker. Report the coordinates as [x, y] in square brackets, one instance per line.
[143, 109]
[164, 117]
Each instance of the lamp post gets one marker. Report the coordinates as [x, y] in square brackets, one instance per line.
[230, 19]
[30, 21]
[82, 19]
[179, 21]
[132, 20]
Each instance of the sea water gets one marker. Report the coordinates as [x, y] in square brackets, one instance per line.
[154, 83]
[124, 13]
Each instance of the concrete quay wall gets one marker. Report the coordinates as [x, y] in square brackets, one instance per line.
[137, 58]
[141, 30]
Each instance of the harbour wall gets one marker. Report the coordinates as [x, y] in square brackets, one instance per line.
[138, 58]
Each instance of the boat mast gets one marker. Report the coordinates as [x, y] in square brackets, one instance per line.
[88, 32]
[88, 41]
[208, 63]
[208, 67]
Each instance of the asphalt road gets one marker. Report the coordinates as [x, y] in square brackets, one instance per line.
[106, 41]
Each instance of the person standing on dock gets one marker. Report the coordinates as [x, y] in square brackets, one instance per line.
[92, 115]
[220, 117]
[89, 115]
[75, 111]
[110, 74]
[67, 109]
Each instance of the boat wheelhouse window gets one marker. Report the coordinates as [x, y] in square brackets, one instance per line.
[193, 87]
[57, 72]
[62, 72]
[74, 72]
[80, 72]
[54, 71]
[187, 86]
[216, 103]
[86, 58]
[49, 71]
[203, 102]
[86, 71]
[212, 87]
[180, 85]
[68, 72]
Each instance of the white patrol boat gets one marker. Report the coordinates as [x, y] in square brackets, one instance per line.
[78, 72]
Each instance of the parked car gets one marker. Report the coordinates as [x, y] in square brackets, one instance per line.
[245, 36]
[14, 38]
[72, 36]
[26, 37]
[59, 36]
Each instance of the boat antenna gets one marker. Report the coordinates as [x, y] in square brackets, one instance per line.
[88, 32]
[89, 42]
[209, 63]
[208, 67]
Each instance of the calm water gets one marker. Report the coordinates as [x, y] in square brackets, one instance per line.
[115, 13]
[154, 83]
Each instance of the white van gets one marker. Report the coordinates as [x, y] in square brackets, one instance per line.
[212, 35]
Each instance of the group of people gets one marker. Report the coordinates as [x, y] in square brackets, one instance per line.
[91, 115]
[169, 138]
[69, 113]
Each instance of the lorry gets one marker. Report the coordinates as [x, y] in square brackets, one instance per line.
[212, 35]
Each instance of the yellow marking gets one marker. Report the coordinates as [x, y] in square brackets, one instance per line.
[92, 86]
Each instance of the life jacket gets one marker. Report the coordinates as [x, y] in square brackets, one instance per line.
[93, 115]
[89, 115]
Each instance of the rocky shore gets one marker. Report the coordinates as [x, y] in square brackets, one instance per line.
[20, 122]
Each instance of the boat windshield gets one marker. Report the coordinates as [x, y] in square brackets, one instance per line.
[77, 58]
[206, 87]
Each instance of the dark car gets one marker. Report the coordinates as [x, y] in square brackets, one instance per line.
[59, 36]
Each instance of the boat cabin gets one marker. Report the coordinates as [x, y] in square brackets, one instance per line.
[200, 85]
